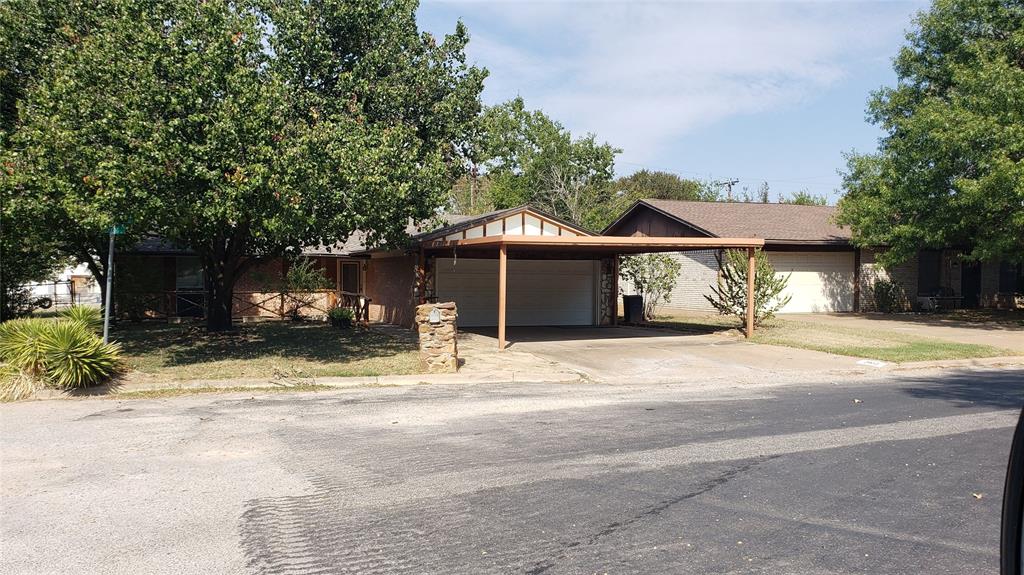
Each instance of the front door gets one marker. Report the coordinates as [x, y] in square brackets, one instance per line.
[970, 284]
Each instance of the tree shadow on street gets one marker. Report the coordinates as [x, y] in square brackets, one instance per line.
[997, 388]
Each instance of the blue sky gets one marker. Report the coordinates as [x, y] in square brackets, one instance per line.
[756, 91]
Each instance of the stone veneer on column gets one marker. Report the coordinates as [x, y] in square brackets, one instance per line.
[439, 349]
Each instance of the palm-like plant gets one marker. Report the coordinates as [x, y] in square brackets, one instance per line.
[20, 347]
[90, 317]
[65, 354]
[74, 357]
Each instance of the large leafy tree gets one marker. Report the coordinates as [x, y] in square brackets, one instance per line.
[38, 234]
[528, 157]
[950, 168]
[251, 129]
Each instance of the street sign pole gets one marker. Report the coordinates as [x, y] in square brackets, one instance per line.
[110, 283]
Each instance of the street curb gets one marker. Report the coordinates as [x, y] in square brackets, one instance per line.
[332, 382]
[978, 362]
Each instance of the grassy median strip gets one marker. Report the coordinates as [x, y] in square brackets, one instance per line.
[881, 344]
[288, 351]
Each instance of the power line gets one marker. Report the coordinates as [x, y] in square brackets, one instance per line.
[710, 176]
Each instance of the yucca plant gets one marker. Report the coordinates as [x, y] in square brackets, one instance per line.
[19, 345]
[75, 357]
[90, 317]
[14, 384]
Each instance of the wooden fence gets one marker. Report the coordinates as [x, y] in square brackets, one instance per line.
[278, 305]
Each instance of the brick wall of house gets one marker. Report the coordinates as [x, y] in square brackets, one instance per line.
[698, 272]
[147, 282]
[904, 274]
[390, 285]
[989, 283]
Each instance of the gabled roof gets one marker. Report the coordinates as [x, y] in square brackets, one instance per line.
[775, 223]
[465, 223]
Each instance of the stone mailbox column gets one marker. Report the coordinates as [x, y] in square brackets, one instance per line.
[439, 350]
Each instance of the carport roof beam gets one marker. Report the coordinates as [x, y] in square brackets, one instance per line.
[608, 244]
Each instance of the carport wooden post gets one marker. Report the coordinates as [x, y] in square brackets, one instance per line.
[502, 275]
[751, 270]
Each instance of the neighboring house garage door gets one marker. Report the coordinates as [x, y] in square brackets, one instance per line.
[539, 292]
[820, 281]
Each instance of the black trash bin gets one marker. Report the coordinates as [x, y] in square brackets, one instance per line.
[633, 308]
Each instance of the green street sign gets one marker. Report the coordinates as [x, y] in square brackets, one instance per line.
[116, 230]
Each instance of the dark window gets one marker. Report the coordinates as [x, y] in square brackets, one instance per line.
[188, 281]
[188, 274]
[929, 264]
[1011, 278]
[350, 278]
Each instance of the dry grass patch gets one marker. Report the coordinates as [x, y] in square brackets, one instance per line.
[279, 350]
[876, 343]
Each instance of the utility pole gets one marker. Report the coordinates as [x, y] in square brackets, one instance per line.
[728, 184]
[114, 231]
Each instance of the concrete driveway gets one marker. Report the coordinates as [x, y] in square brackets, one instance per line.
[626, 354]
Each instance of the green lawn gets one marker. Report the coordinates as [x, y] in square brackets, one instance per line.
[876, 343]
[279, 350]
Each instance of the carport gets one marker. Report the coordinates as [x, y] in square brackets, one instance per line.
[567, 248]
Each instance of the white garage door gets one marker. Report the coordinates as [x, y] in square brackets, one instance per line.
[539, 292]
[820, 281]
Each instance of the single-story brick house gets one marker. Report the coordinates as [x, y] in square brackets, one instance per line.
[828, 274]
[518, 266]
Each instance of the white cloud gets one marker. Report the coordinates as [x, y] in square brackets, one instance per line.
[641, 75]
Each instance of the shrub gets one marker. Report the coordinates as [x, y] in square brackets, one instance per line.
[14, 384]
[889, 296]
[75, 357]
[20, 347]
[90, 317]
[64, 354]
[302, 282]
[730, 295]
[653, 276]
[341, 316]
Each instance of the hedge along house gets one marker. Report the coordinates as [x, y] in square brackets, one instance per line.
[827, 272]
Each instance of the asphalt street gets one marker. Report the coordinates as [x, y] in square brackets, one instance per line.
[898, 474]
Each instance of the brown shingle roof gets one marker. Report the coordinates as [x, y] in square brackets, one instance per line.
[776, 223]
[356, 243]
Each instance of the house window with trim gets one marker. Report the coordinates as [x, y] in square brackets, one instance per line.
[929, 269]
[351, 277]
[189, 287]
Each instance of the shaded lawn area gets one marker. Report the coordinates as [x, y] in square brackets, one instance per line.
[877, 343]
[263, 350]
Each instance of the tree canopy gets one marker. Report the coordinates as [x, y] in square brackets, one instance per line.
[804, 198]
[663, 186]
[526, 157]
[950, 169]
[251, 129]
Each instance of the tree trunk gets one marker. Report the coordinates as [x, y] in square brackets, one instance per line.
[220, 291]
[98, 268]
